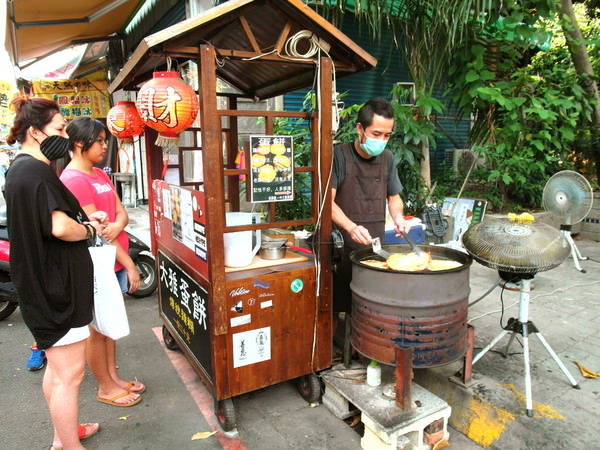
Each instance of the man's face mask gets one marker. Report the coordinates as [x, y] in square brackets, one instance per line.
[55, 147]
[373, 147]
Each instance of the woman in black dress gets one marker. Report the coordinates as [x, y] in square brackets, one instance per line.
[50, 262]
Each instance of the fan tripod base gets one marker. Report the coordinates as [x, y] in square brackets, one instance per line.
[565, 230]
[525, 327]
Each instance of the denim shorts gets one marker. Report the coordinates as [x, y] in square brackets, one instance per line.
[122, 278]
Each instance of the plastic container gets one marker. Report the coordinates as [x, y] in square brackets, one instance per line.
[238, 245]
[373, 374]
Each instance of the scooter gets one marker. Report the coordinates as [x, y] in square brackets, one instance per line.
[145, 263]
[138, 251]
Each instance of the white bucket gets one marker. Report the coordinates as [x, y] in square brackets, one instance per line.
[238, 246]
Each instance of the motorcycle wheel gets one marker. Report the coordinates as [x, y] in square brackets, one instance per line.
[7, 307]
[146, 266]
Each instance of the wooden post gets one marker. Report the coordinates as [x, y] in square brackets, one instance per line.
[323, 197]
[213, 185]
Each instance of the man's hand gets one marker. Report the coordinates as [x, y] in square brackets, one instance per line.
[361, 235]
[401, 225]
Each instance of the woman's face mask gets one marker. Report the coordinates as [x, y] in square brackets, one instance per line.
[55, 147]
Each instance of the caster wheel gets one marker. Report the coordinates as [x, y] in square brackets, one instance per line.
[169, 340]
[225, 412]
[309, 387]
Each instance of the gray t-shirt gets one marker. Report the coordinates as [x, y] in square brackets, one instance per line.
[339, 169]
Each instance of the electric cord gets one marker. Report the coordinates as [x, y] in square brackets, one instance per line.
[532, 299]
[474, 302]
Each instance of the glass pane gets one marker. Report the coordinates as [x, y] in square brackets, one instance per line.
[192, 166]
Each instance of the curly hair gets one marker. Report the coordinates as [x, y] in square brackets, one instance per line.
[34, 112]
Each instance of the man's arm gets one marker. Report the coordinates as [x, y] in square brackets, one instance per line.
[358, 233]
[396, 209]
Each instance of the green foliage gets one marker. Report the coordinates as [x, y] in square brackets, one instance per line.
[529, 116]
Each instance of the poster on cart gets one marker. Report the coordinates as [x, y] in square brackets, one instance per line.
[251, 347]
[272, 169]
[184, 303]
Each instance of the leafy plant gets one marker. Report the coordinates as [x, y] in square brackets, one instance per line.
[527, 120]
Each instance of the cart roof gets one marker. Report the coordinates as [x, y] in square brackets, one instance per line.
[249, 37]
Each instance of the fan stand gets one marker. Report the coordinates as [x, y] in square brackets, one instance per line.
[565, 230]
[524, 327]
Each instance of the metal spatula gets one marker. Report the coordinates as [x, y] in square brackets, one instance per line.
[412, 244]
[376, 244]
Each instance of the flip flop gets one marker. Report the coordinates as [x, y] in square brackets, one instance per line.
[113, 400]
[82, 432]
[131, 387]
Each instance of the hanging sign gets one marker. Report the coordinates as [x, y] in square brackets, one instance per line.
[6, 92]
[76, 98]
[185, 304]
[272, 169]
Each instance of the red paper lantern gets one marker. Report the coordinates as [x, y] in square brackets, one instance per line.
[167, 104]
[124, 121]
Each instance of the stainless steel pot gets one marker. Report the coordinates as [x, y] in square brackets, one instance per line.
[272, 252]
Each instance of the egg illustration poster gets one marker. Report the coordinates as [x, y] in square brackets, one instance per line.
[272, 169]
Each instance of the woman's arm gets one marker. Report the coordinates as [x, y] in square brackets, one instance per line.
[132, 273]
[67, 229]
[113, 229]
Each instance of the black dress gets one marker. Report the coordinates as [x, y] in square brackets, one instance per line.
[54, 277]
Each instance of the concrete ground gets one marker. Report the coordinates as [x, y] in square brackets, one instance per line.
[565, 306]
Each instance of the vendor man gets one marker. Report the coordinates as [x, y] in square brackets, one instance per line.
[364, 177]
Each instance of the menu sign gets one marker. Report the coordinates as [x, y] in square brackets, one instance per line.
[272, 169]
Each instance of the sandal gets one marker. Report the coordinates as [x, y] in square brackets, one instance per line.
[83, 432]
[136, 387]
[113, 400]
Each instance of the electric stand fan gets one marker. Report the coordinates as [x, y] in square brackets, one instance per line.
[519, 251]
[569, 197]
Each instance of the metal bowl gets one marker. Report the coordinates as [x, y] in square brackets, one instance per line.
[272, 252]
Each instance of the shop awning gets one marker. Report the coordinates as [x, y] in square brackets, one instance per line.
[37, 28]
[251, 40]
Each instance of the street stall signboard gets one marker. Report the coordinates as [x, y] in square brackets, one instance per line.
[272, 169]
[7, 89]
[184, 303]
[76, 98]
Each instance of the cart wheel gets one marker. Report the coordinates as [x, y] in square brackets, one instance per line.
[309, 387]
[169, 340]
[225, 412]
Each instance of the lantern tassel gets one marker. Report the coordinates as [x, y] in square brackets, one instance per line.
[167, 141]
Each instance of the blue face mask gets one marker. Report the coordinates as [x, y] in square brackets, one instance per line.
[373, 147]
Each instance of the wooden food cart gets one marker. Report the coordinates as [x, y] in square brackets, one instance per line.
[244, 328]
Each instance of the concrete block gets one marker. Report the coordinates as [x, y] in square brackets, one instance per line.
[336, 403]
[405, 435]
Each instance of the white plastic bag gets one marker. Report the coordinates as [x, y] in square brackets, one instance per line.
[110, 317]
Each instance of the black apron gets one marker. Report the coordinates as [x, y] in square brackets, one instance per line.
[361, 196]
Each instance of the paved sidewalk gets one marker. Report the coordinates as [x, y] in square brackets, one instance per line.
[565, 306]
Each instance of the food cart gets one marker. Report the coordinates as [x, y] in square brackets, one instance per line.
[244, 325]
